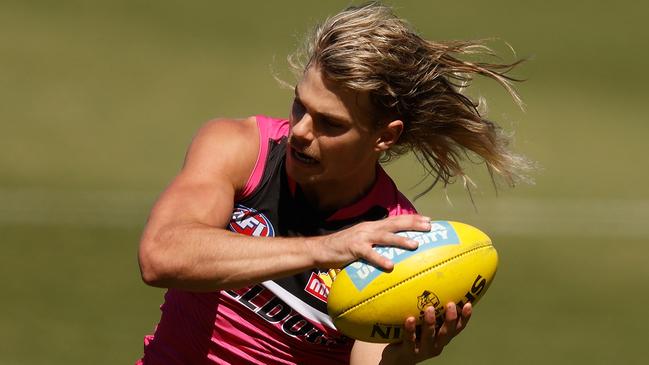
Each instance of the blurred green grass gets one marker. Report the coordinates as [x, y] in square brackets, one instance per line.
[71, 295]
[100, 99]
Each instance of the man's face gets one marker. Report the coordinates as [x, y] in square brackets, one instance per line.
[331, 140]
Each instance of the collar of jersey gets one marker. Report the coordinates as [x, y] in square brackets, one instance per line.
[378, 195]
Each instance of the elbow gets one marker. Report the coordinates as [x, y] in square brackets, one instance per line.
[149, 271]
[150, 276]
[154, 268]
[167, 263]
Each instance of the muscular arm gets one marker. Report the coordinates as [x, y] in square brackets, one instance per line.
[185, 243]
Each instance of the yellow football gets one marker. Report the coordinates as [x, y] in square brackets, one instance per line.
[455, 262]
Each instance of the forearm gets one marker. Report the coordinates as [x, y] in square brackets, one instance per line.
[364, 353]
[199, 257]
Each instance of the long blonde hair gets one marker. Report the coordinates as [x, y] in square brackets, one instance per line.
[369, 49]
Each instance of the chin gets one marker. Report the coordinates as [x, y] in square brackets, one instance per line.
[300, 176]
[301, 173]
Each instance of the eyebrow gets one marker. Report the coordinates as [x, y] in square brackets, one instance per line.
[322, 114]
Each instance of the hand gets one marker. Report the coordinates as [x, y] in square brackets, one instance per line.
[338, 249]
[431, 340]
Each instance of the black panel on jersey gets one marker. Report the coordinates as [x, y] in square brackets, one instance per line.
[292, 216]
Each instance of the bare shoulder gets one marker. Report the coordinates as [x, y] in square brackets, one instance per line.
[237, 127]
[224, 147]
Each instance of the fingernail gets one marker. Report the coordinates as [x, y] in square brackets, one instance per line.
[413, 243]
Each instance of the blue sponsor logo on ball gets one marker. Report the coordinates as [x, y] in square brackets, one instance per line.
[441, 233]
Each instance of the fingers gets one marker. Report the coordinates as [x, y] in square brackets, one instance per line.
[449, 328]
[374, 258]
[358, 241]
[427, 345]
[467, 310]
[431, 342]
[365, 236]
[384, 235]
[406, 222]
[386, 239]
[428, 326]
[391, 239]
[410, 336]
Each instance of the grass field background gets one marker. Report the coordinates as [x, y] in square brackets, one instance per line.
[99, 99]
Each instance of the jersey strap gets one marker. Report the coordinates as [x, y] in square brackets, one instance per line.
[270, 129]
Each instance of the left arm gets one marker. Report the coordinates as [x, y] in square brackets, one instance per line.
[413, 350]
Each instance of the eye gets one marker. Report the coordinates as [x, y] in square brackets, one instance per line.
[331, 123]
[331, 126]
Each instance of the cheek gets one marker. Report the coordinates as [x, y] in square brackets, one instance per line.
[346, 150]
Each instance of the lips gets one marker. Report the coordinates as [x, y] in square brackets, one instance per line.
[303, 157]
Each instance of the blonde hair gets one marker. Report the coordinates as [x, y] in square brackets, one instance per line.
[369, 49]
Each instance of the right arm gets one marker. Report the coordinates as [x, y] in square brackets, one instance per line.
[185, 243]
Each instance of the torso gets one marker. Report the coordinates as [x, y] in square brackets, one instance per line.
[281, 321]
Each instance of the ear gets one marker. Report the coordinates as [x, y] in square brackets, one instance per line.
[389, 135]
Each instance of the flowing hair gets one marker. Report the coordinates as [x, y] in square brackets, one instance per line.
[421, 82]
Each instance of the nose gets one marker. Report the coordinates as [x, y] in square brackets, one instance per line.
[302, 130]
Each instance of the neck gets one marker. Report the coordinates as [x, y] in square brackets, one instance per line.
[332, 195]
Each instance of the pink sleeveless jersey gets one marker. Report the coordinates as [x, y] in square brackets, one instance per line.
[280, 321]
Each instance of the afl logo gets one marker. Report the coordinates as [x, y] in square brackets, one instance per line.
[250, 222]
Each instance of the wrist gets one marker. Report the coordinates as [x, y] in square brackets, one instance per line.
[314, 252]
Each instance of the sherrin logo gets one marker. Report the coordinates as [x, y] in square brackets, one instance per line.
[428, 299]
[250, 222]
